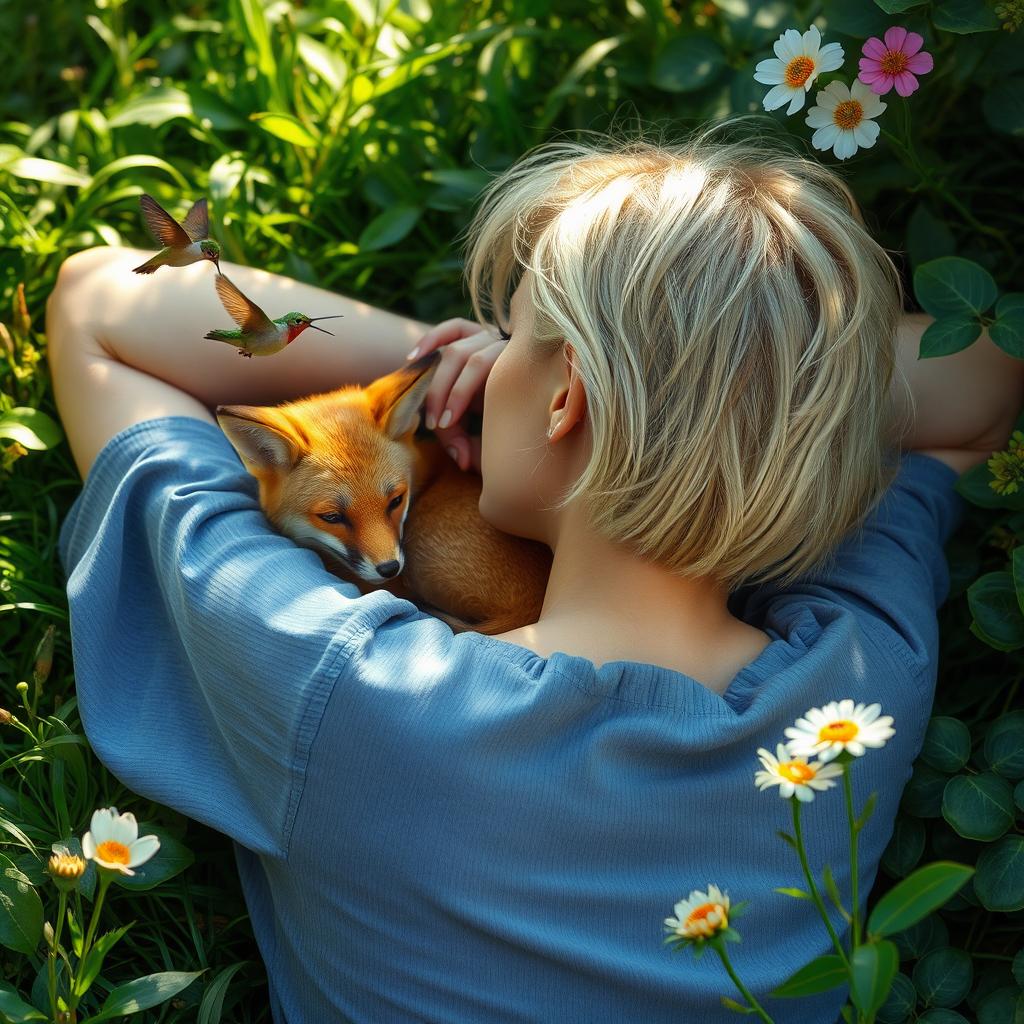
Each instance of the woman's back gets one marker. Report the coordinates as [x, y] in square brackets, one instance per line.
[454, 828]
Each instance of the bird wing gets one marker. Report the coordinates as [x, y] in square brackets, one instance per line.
[243, 310]
[197, 221]
[166, 230]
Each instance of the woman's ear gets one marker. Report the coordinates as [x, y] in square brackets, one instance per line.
[570, 405]
[262, 437]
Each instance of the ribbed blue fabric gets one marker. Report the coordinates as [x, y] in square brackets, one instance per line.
[451, 828]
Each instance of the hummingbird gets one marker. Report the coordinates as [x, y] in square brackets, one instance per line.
[183, 243]
[258, 334]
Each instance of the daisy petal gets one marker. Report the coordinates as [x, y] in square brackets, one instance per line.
[866, 134]
[88, 846]
[142, 850]
[770, 72]
[777, 96]
[906, 83]
[804, 794]
[797, 103]
[817, 117]
[912, 43]
[920, 63]
[812, 40]
[895, 36]
[874, 47]
[824, 138]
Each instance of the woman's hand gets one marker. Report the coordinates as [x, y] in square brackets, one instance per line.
[470, 351]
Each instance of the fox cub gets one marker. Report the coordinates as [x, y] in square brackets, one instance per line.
[344, 474]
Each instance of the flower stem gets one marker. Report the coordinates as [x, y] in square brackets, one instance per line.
[87, 942]
[855, 908]
[718, 945]
[61, 907]
[811, 885]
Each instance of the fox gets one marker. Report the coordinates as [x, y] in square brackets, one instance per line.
[352, 475]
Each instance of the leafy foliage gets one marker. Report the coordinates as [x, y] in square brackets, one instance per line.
[344, 143]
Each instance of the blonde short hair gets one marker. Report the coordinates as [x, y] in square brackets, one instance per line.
[734, 326]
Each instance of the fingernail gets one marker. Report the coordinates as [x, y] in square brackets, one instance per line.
[431, 422]
[446, 418]
[412, 354]
[453, 452]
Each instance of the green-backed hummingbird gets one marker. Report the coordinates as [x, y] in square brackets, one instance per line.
[258, 334]
[184, 243]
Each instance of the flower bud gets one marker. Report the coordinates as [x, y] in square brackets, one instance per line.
[48, 933]
[5, 717]
[44, 656]
[66, 870]
[22, 688]
[6, 341]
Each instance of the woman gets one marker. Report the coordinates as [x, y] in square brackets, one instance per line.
[468, 828]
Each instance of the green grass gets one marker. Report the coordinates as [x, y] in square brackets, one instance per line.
[343, 143]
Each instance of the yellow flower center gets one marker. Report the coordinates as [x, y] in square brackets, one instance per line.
[113, 852]
[848, 114]
[842, 731]
[697, 922]
[894, 62]
[796, 771]
[798, 70]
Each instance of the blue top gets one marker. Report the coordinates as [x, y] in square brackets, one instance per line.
[445, 827]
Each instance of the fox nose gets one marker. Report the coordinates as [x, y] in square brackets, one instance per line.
[388, 569]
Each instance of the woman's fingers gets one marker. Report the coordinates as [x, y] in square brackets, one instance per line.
[465, 446]
[470, 381]
[463, 369]
[443, 334]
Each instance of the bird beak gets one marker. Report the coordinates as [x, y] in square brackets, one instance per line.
[322, 330]
[216, 263]
[338, 316]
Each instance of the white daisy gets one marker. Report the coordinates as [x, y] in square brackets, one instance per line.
[793, 775]
[839, 726]
[843, 118]
[701, 915]
[798, 61]
[113, 841]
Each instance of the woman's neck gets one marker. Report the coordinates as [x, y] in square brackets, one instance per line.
[606, 604]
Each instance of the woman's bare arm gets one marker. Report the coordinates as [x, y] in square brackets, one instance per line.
[964, 405]
[125, 347]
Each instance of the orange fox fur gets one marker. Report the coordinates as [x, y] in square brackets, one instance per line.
[353, 453]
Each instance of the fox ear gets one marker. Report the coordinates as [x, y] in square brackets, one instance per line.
[396, 399]
[261, 436]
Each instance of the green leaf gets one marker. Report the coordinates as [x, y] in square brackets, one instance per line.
[143, 993]
[853, 18]
[964, 16]
[171, 859]
[21, 912]
[929, 933]
[940, 1016]
[324, 61]
[388, 227]
[974, 486]
[900, 1002]
[19, 164]
[286, 127]
[898, 6]
[14, 1009]
[954, 287]
[213, 998]
[872, 968]
[999, 883]
[821, 975]
[948, 335]
[687, 63]
[943, 976]
[927, 236]
[87, 973]
[978, 806]
[865, 814]
[786, 837]
[905, 847]
[1003, 106]
[947, 744]
[795, 893]
[833, 891]
[1004, 741]
[922, 796]
[1018, 967]
[153, 107]
[993, 603]
[919, 894]
[1003, 1006]
[1008, 329]
[31, 428]
[731, 1004]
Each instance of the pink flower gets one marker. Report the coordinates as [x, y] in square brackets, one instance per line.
[894, 62]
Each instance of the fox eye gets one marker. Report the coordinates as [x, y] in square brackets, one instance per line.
[335, 517]
[395, 502]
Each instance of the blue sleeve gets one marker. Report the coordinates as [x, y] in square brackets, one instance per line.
[892, 572]
[205, 643]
